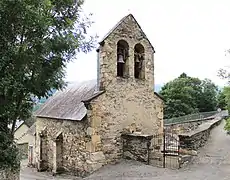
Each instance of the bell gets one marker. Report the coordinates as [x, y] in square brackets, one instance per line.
[120, 59]
[137, 59]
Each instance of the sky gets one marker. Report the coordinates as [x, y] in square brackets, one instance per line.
[189, 36]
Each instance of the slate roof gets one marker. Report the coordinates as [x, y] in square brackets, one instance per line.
[67, 104]
[119, 23]
[70, 103]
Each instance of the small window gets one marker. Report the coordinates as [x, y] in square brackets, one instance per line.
[122, 58]
[139, 61]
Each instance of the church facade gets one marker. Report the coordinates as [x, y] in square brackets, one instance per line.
[79, 129]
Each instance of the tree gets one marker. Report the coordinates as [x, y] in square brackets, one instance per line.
[37, 40]
[226, 94]
[9, 153]
[221, 100]
[180, 95]
[223, 73]
[186, 95]
[208, 100]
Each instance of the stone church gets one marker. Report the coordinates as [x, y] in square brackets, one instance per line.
[79, 129]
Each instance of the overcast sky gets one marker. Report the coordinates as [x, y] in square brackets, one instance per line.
[189, 36]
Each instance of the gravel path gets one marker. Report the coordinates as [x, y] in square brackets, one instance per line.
[212, 163]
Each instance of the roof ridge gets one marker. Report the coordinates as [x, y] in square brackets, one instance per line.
[114, 27]
[119, 22]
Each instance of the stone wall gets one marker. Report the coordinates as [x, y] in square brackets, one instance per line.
[77, 156]
[125, 108]
[137, 147]
[185, 127]
[197, 138]
[129, 31]
[128, 104]
[9, 175]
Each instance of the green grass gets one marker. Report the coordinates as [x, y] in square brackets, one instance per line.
[227, 125]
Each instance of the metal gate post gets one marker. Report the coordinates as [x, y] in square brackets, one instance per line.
[164, 148]
[148, 152]
[178, 145]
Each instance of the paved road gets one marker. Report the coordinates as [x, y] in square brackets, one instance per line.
[212, 163]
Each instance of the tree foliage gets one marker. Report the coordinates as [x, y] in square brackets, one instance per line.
[185, 95]
[227, 125]
[226, 94]
[224, 98]
[37, 40]
[221, 100]
[208, 96]
[10, 157]
[224, 73]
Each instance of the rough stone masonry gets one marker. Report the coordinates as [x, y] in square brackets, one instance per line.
[128, 104]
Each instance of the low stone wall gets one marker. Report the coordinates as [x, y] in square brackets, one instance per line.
[197, 138]
[9, 175]
[137, 147]
[185, 127]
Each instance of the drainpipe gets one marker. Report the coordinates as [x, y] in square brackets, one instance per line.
[98, 69]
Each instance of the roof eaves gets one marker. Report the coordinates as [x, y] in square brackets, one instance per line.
[57, 118]
[159, 96]
[92, 97]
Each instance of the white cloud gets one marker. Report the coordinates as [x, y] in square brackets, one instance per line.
[188, 36]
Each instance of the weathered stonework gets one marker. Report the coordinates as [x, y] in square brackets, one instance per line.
[130, 32]
[127, 105]
[185, 127]
[133, 109]
[137, 147]
[196, 139]
[76, 154]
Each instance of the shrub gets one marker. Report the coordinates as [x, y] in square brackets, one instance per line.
[9, 153]
[227, 125]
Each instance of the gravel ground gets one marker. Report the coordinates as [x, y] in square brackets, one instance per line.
[212, 163]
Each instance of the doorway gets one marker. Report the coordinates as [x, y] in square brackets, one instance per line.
[59, 153]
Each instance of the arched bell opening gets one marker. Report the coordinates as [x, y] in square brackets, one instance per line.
[122, 58]
[139, 56]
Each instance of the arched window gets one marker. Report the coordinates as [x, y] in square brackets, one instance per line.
[139, 61]
[122, 58]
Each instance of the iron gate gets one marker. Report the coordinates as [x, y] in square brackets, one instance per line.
[166, 150]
